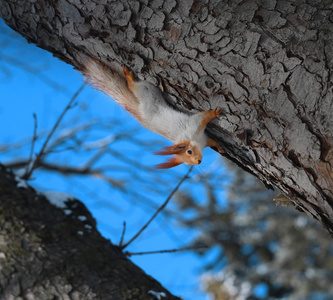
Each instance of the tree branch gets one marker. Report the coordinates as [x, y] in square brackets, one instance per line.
[129, 254]
[34, 138]
[42, 151]
[159, 209]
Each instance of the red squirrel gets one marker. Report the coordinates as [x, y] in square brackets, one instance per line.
[146, 103]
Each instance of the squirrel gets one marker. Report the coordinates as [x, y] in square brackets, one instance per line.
[147, 104]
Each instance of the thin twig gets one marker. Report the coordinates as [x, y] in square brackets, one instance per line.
[42, 151]
[159, 209]
[34, 139]
[127, 253]
[122, 235]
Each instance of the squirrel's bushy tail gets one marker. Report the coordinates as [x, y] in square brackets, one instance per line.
[102, 77]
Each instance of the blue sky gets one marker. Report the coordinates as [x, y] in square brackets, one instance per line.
[32, 81]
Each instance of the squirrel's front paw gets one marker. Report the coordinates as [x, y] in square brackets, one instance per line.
[217, 112]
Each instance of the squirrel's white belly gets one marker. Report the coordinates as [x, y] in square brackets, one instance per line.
[167, 122]
[159, 117]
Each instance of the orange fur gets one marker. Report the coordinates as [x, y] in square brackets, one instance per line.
[172, 162]
[209, 115]
[181, 154]
[147, 104]
[212, 143]
[109, 81]
[130, 79]
[174, 149]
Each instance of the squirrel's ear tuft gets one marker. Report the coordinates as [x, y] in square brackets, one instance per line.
[172, 162]
[174, 149]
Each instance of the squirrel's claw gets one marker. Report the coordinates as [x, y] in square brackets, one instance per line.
[218, 112]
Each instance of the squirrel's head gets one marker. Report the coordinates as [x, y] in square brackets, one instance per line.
[185, 152]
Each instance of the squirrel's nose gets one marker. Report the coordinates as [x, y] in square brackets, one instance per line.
[199, 161]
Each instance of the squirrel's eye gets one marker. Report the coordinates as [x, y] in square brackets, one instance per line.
[189, 152]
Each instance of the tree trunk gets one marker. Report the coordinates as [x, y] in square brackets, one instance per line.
[266, 63]
[50, 253]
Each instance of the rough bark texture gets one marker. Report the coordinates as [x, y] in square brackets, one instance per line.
[267, 63]
[46, 253]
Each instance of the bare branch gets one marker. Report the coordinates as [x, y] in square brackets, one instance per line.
[122, 235]
[159, 209]
[95, 157]
[42, 151]
[128, 253]
[32, 144]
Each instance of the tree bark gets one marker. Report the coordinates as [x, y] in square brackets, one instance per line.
[52, 253]
[266, 63]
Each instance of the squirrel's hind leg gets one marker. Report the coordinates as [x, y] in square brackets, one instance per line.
[212, 143]
[207, 116]
[130, 78]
